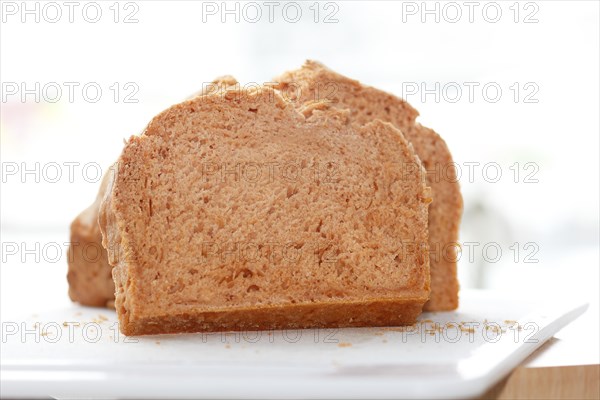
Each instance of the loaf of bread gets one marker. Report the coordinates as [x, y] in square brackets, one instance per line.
[314, 82]
[90, 280]
[234, 211]
[89, 274]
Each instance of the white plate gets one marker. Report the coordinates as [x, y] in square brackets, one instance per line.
[92, 360]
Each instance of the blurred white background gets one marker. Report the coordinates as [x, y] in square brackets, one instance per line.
[543, 55]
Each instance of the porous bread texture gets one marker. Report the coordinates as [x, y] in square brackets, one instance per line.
[315, 83]
[89, 274]
[235, 212]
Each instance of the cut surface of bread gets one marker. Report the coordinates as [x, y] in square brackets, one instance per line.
[233, 211]
[314, 83]
[89, 274]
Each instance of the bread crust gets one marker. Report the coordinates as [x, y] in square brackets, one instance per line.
[399, 312]
[137, 317]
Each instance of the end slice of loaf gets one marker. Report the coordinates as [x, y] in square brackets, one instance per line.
[316, 83]
[235, 212]
[89, 274]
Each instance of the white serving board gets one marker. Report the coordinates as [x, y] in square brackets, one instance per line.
[91, 360]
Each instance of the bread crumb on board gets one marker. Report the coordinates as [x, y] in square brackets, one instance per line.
[344, 344]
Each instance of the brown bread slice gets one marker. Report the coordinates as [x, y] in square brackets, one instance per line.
[316, 82]
[198, 244]
[89, 274]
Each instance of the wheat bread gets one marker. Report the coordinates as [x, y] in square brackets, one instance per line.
[89, 274]
[233, 211]
[314, 82]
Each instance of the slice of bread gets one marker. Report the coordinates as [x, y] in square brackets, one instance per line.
[233, 211]
[89, 274]
[314, 82]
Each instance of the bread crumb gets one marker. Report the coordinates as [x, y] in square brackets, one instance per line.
[70, 323]
[344, 344]
[227, 346]
[157, 342]
[400, 328]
